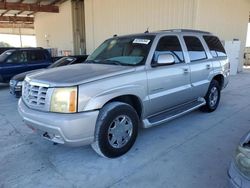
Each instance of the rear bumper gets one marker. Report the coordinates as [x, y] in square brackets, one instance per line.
[236, 180]
[69, 129]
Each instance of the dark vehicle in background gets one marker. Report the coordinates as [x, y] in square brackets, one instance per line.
[16, 81]
[16, 61]
[4, 49]
[239, 171]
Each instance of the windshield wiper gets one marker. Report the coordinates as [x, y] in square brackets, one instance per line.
[91, 61]
[107, 62]
[114, 62]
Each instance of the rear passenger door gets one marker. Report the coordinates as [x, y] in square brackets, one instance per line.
[37, 59]
[201, 67]
[169, 85]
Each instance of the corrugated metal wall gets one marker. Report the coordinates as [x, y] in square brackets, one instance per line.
[104, 18]
[226, 18]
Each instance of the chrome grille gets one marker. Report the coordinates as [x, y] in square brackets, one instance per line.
[34, 96]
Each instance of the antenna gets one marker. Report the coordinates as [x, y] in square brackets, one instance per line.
[147, 31]
[115, 35]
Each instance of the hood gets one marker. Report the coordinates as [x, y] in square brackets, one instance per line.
[77, 74]
[21, 76]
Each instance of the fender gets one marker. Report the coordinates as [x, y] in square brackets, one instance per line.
[98, 101]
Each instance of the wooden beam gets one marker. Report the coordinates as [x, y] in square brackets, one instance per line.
[32, 13]
[9, 25]
[4, 12]
[16, 19]
[29, 7]
[20, 12]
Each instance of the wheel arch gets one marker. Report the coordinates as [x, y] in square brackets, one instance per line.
[220, 79]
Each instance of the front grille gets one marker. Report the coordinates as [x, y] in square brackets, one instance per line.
[34, 96]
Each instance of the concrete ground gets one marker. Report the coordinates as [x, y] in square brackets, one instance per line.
[193, 151]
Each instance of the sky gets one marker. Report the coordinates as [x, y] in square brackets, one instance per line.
[14, 40]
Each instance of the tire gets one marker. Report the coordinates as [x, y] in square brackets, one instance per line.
[212, 97]
[112, 137]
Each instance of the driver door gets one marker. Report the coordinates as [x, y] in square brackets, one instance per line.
[15, 64]
[169, 85]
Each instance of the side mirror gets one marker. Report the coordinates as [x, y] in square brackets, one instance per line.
[164, 59]
[9, 61]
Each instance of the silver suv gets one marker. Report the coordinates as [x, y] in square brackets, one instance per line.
[128, 81]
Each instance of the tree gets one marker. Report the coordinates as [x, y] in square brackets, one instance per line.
[4, 44]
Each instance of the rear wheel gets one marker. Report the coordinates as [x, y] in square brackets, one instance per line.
[212, 97]
[116, 130]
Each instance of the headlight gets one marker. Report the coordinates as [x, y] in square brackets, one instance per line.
[242, 160]
[64, 100]
[19, 84]
[12, 82]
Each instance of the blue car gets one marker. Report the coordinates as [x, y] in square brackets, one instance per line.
[16, 61]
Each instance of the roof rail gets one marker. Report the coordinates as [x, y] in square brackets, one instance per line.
[187, 30]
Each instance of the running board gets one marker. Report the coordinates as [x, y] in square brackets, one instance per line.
[173, 113]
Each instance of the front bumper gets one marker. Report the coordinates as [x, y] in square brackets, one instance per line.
[69, 129]
[16, 90]
[236, 180]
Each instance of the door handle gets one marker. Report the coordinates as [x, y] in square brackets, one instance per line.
[208, 66]
[186, 70]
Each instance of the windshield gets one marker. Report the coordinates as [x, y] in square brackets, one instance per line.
[5, 55]
[132, 50]
[62, 62]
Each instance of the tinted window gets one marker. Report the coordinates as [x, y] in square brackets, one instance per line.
[36, 56]
[215, 46]
[195, 49]
[5, 55]
[18, 57]
[171, 44]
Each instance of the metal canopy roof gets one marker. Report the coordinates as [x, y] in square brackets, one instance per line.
[20, 13]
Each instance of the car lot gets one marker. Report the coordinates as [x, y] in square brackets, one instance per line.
[192, 151]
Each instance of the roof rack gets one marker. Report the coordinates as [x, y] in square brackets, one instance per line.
[187, 30]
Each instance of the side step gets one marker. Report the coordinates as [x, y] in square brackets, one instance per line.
[173, 113]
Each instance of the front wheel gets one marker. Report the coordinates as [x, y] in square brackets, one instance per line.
[116, 130]
[212, 97]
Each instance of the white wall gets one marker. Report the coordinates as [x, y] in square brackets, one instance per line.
[57, 27]
[226, 18]
[104, 18]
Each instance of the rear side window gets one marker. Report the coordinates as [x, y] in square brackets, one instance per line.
[36, 56]
[215, 46]
[195, 49]
[171, 44]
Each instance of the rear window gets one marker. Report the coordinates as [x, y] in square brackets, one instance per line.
[195, 49]
[215, 46]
